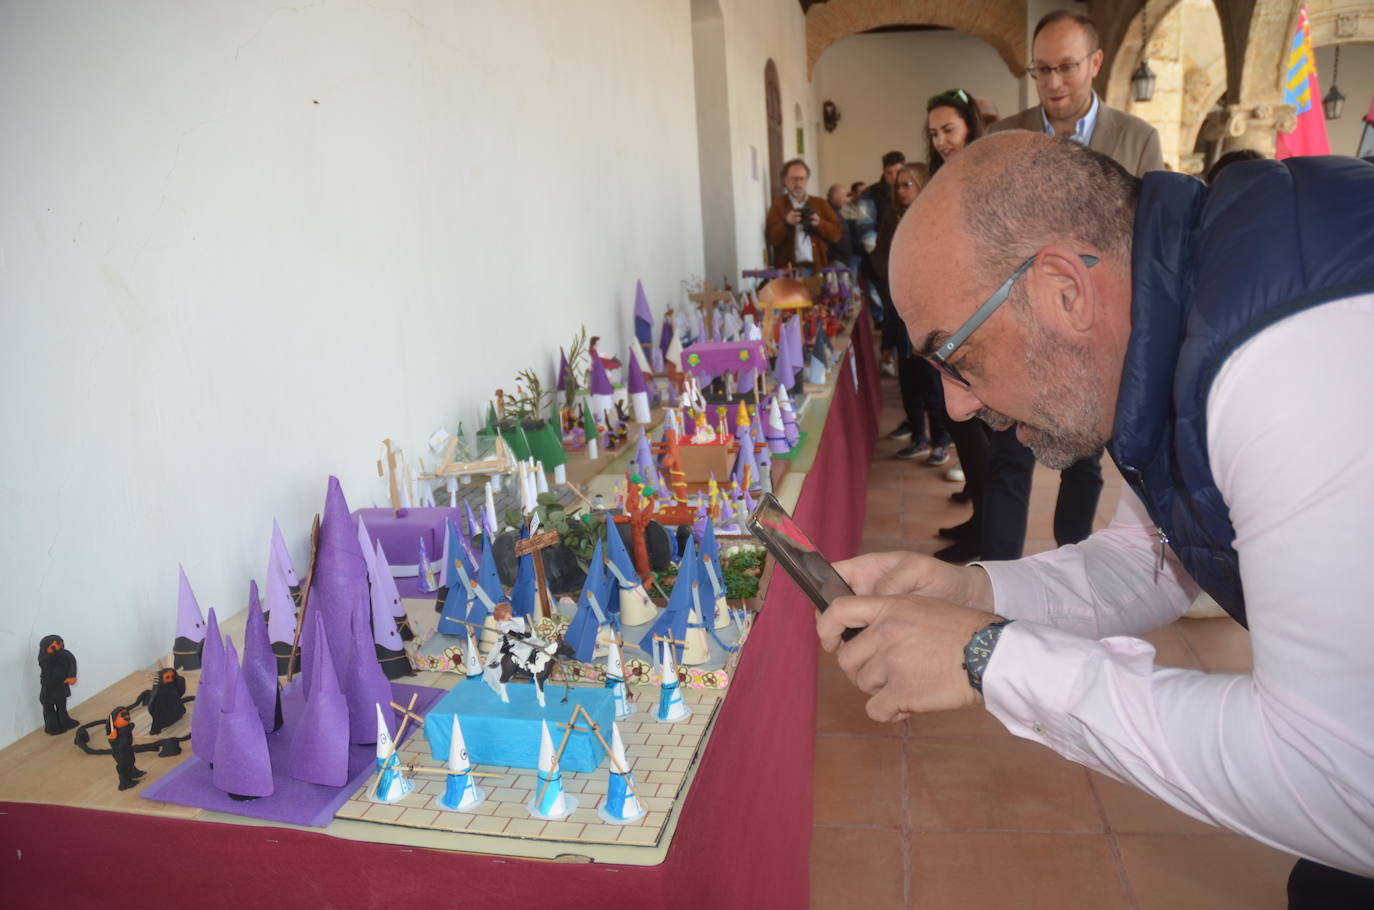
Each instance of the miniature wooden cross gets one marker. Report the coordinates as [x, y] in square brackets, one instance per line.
[395, 744]
[534, 546]
[569, 727]
[670, 640]
[408, 713]
[708, 297]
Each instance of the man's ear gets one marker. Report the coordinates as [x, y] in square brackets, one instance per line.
[1062, 277]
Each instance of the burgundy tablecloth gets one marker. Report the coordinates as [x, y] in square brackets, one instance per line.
[743, 839]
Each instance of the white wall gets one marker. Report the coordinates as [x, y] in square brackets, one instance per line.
[881, 84]
[1356, 82]
[240, 243]
[756, 31]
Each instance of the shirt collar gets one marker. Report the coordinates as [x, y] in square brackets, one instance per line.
[1082, 130]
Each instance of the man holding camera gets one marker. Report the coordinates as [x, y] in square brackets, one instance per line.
[800, 228]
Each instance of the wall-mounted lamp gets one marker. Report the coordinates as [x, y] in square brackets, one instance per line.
[830, 116]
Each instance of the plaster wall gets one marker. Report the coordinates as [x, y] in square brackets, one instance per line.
[881, 83]
[755, 32]
[241, 243]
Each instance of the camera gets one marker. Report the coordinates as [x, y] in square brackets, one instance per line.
[806, 215]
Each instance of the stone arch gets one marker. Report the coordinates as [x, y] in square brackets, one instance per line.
[1188, 56]
[1001, 24]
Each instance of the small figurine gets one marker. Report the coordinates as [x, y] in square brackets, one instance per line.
[56, 676]
[119, 730]
[165, 706]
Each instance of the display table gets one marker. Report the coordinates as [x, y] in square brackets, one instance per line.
[742, 840]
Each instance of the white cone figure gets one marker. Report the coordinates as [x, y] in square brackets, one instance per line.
[461, 792]
[622, 806]
[472, 662]
[615, 680]
[392, 785]
[541, 480]
[555, 802]
[671, 707]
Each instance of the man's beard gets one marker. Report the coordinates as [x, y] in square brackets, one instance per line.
[1070, 388]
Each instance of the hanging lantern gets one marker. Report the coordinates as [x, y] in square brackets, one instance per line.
[1143, 81]
[1334, 102]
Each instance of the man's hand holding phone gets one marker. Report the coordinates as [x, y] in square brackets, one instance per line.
[917, 615]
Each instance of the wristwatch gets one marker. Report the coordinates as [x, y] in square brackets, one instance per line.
[978, 652]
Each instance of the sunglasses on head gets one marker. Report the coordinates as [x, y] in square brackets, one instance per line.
[954, 94]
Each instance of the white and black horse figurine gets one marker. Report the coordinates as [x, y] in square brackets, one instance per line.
[525, 653]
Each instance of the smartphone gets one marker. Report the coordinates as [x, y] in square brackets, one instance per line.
[795, 552]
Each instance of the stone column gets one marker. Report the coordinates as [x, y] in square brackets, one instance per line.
[1250, 126]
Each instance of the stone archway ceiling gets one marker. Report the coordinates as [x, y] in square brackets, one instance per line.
[1001, 23]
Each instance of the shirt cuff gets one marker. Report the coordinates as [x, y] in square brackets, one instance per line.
[1018, 590]
[1033, 681]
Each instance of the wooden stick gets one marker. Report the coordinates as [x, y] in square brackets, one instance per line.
[596, 729]
[405, 711]
[567, 734]
[446, 773]
[394, 743]
[305, 599]
[577, 491]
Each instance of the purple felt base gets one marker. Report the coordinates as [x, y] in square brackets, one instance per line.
[294, 801]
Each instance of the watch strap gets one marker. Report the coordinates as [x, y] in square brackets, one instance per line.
[978, 652]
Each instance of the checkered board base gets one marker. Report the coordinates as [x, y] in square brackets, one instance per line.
[660, 755]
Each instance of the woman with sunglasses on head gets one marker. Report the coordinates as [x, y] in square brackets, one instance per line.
[919, 382]
[952, 122]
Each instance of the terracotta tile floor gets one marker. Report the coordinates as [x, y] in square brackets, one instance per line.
[951, 811]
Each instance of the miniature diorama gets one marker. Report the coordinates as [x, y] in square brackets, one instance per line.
[575, 635]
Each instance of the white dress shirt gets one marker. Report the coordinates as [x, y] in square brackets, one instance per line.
[1285, 754]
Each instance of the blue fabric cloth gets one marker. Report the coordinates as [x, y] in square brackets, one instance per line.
[1210, 270]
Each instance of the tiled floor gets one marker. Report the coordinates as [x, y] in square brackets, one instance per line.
[951, 811]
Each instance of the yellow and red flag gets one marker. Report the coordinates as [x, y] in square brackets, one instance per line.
[1301, 90]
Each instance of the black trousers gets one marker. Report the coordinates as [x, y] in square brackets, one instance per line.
[1006, 501]
[921, 398]
[1312, 886]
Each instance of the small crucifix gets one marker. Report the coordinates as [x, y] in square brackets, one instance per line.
[708, 297]
[534, 547]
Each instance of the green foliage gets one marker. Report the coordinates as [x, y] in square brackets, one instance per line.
[579, 368]
[579, 532]
[528, 401]
[739, 573]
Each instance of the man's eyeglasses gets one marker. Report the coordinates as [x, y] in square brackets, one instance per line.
[940, 358]
[1065, 70]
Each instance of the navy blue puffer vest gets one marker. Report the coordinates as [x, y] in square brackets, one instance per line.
[1211, 268]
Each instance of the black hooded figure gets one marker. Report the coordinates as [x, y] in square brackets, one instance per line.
[56, 676]
[119, 730]
[164, 705]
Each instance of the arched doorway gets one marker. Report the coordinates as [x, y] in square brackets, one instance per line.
[772, 92]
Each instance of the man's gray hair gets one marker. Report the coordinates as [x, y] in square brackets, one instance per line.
[1053, 191]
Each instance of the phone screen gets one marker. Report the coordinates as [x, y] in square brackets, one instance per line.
[795, 552]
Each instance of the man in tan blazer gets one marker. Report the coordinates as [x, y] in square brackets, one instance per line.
[1066, 59]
